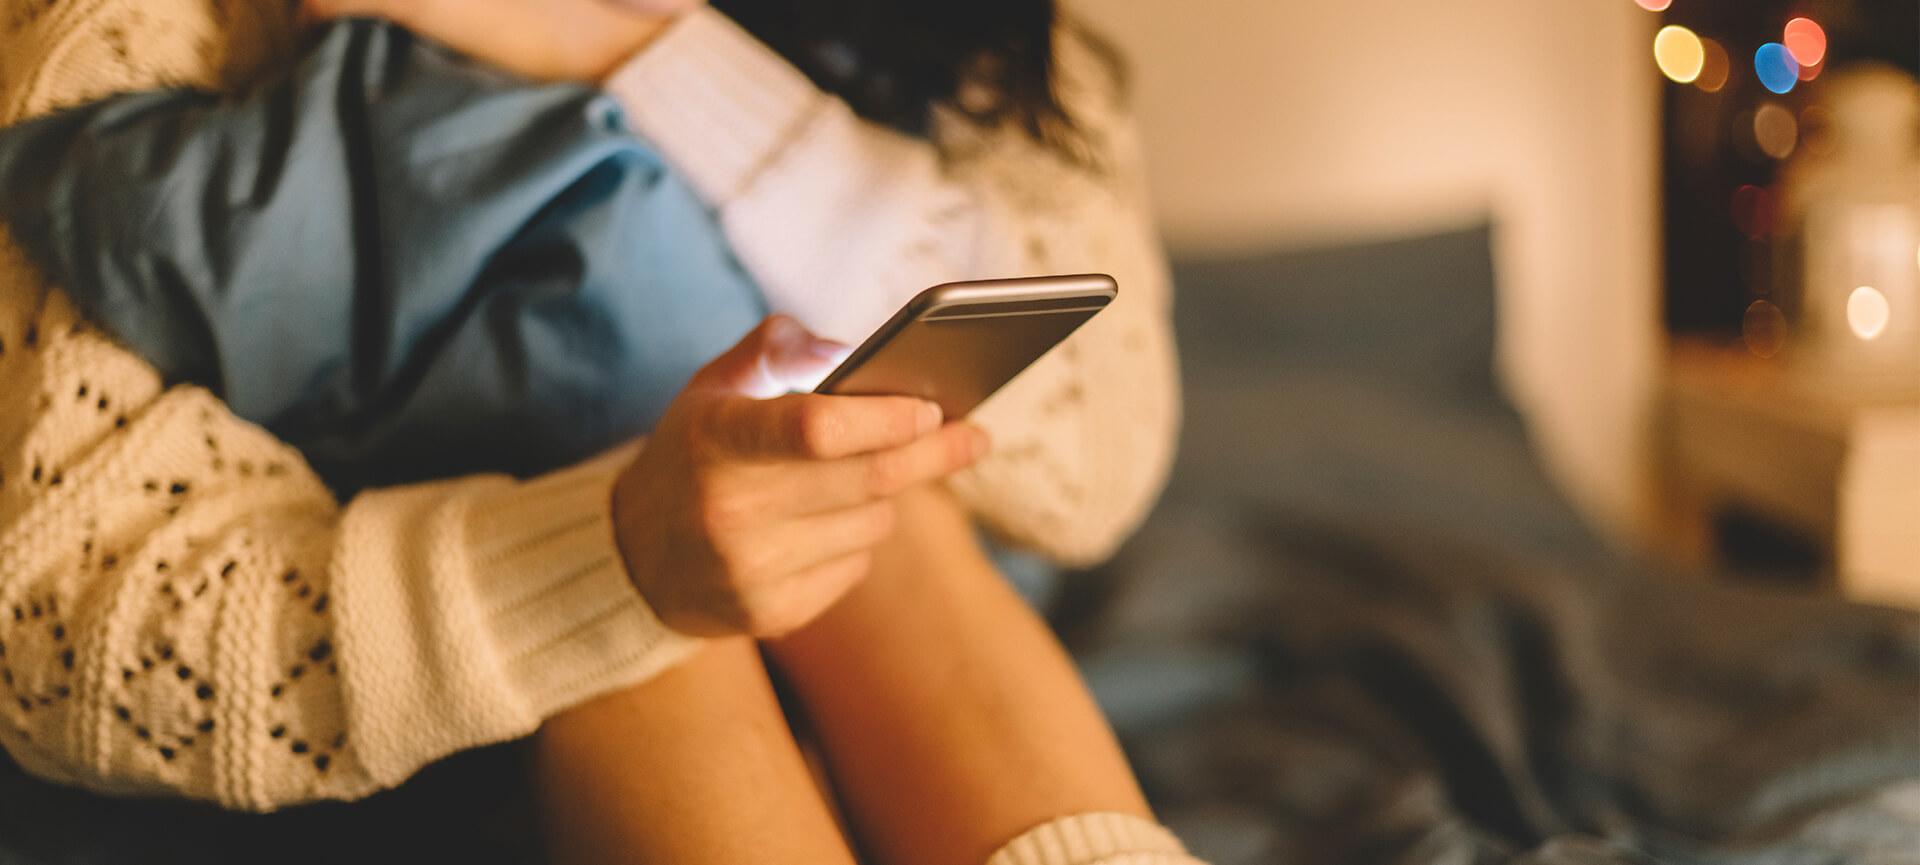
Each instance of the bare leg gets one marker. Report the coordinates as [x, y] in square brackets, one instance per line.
[695, 767]
[951, 718]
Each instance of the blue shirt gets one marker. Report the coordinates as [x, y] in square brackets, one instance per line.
[405, 264]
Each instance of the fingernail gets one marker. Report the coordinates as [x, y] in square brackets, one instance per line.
[929, 417]
[981, 443]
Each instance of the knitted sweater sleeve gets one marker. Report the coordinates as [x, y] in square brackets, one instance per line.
[841, 221]
[185, 610]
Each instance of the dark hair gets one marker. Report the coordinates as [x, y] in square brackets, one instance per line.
[894, 61]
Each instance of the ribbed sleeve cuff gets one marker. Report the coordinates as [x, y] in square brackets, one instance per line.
[566, 621]
[716, 101]
[472, 610]
[1095, 839]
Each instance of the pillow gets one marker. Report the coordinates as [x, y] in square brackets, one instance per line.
[1355, 385]
[1416, 314]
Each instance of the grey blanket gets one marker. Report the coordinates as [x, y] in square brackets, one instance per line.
[1295, 691]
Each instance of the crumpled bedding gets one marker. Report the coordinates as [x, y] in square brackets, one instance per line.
[1352, 695]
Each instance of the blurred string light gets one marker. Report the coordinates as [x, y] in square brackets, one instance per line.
[1808, 73]
[1714, 66]
[1679, 53]
[1775, 130]
[1777, 69]
[1868, 312]
[1685, 57]
[1806, 41]
[1763, 328]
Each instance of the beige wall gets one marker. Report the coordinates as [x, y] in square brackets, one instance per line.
[1292, 121]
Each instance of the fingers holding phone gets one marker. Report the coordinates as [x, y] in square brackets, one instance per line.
[752, 515]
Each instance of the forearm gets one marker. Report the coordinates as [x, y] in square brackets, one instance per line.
[198, 617]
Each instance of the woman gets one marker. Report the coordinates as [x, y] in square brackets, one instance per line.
[430, 610]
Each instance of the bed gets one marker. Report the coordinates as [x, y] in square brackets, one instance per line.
[1364, 626]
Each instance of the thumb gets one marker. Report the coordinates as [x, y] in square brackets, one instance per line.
[777, 357]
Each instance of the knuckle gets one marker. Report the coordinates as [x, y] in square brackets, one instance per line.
[887, 474]
[718, 513]
[903, 423]
[959, 449]
[818, 427]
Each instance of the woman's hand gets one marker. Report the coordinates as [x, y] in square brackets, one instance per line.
[752, 516]
[546, 40]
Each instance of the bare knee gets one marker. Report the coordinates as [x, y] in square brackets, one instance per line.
[696, 765]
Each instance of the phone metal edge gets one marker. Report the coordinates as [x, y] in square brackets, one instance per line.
[932, 300]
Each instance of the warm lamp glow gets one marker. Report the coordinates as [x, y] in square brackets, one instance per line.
[1679, 53]
[1777, 69]
[1868, 312]
[1806, 41]
[1654, 5]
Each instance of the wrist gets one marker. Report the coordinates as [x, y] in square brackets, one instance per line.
[717, 102]
[620, 510]
[620, 45]
[652, 19]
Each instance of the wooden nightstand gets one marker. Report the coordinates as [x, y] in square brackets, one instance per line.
[1841, 471]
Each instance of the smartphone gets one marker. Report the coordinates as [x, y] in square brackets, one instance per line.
[956, 344]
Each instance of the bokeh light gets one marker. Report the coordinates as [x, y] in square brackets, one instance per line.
[1763, 328]
[1654, 5]
[1753, 210]
[1775, 130]
[1714, 66]
[1868, 312]
[1777, 69]
[1679, 53]
[1806, 41]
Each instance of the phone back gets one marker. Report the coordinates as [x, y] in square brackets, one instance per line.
[957, 344]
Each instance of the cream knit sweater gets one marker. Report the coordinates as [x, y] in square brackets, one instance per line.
[185, 610]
